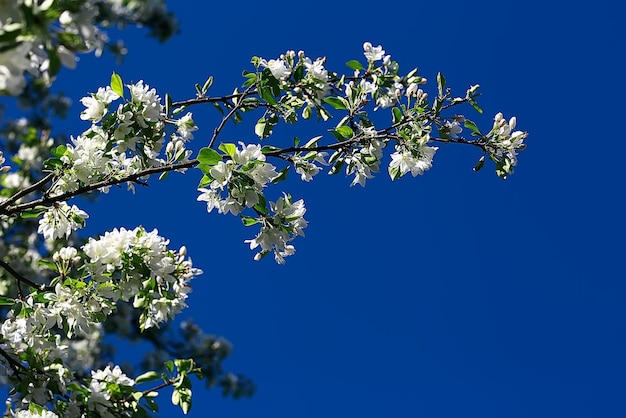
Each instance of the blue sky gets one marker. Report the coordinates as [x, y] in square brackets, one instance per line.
[454, 294]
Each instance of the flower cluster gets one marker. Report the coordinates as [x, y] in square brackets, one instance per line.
[62, 306]
[412, 152]
[382, 82]
[279, 229]
[415, 160]
[306, 81]
[238, 182]
[137, 265]
[503, 144]
[122, 142]
[103, 386]
[364, 160]
[60, 220]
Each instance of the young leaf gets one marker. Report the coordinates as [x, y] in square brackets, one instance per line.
[248, 221]
[207, 84]
[336, 102]
[229, 149]
[355, 65]
[397, 115]
[116, 84]
[266, 94]
[34, 212]
[344, 131]
[441, 83]
[472, 127]
[209, 156]
[474, 104]
[479, 164]
[6, 301]
[168, 103]
[147, 377]
[282, 175]
[259, 128]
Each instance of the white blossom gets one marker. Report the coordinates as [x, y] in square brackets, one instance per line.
[415, 162]
[60, 220]
[97, 104]
[278, 68]
[25, 413]
[114, 375]
[373, 53]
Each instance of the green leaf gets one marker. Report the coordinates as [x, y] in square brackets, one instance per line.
[218, 107]
[282, 175]
[441, 83]
[307, 112]
[262, 205]
[148, 377]
[207, 84]
[34, 212]
[205, 180]
[344, 131]
[248, 221]
[52, 163]
[59, 151]
[152, 405]
[336, 102]
[168, 104]
[55, 61]
[312, 142]
[259, 128]
[397, 115]
[479, 164]
[251, 78]
[474, 104]
[266, 94]
[437, 106]
[355, 65]
[394, 172]
[209, 156]
[336, 167]
[472, 127]
[6, 301]
[49, 264]
[229, 149]
[117, 85]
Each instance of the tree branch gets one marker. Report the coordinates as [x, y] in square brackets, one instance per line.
[18, 276]
[222, 99]
[25, 191]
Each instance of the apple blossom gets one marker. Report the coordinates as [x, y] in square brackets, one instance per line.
[63, 296]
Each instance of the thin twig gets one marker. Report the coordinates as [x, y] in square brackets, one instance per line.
[223, 99]
[18, 276]
[27, 190]
[225, 119]
[16, 366]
